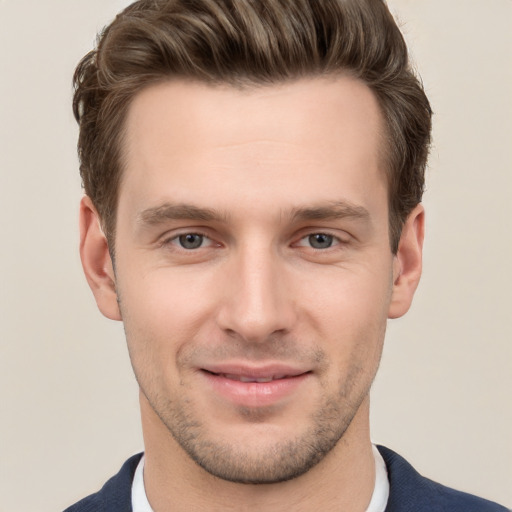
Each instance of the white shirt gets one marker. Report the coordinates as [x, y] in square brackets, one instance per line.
[381, 490]
[378, 502]
[140, 501]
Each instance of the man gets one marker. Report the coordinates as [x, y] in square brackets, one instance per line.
[253, 174]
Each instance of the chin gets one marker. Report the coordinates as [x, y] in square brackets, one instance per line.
[255, 451]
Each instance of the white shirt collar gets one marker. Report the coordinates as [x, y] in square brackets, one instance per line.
[378, 502]
[381, 490]
[140, 501]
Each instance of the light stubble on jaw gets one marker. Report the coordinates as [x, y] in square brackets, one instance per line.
[280, 462]
[269, 462]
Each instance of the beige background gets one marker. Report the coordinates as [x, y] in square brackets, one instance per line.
[69, 411]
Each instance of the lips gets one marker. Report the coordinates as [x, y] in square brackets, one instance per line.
[271, 371]
[251, 386]
[247, 378]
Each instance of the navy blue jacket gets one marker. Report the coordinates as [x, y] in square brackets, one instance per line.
[409, 492]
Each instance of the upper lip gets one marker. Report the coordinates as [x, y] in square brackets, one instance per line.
[261, 371]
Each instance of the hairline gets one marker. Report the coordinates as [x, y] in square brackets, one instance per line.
[247, 84]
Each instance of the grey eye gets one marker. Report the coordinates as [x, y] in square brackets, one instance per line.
[320, 241]
[191, 241]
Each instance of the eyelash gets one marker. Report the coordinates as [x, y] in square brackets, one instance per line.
[177, 241]
[334, 240]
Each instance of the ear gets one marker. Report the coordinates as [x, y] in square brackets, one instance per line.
[407, 263]
[96, 260]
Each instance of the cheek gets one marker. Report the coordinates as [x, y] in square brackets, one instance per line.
[161, 313]
[164, 297]
[350, 315]
[351, 296]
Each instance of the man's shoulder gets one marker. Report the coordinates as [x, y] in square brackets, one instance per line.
[115, 495]
[409, 491]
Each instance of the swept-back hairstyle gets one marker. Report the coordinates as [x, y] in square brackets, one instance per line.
[244, 43]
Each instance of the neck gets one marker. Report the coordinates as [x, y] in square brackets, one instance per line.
[343, 480]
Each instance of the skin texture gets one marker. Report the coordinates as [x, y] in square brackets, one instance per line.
[252, 238]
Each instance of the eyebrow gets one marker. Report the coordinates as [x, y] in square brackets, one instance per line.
[169, 211]
[331, 211]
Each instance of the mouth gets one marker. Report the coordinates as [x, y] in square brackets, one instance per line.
[250, 378]
[255, 387]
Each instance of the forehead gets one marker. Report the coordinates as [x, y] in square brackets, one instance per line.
[209, 114]
[199, 142]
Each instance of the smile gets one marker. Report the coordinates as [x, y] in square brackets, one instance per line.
[255, 387]
[245, 378]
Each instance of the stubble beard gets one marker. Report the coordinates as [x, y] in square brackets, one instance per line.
[274, 463]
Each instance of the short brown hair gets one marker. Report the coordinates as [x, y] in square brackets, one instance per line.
[244, 42]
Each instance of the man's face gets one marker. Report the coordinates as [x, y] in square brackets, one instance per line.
[253, 267]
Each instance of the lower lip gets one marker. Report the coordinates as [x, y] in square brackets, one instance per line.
[255, 394]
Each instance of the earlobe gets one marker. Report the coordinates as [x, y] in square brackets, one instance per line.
[96, 260]
[407, 263]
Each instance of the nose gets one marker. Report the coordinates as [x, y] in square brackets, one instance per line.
[257, 302]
